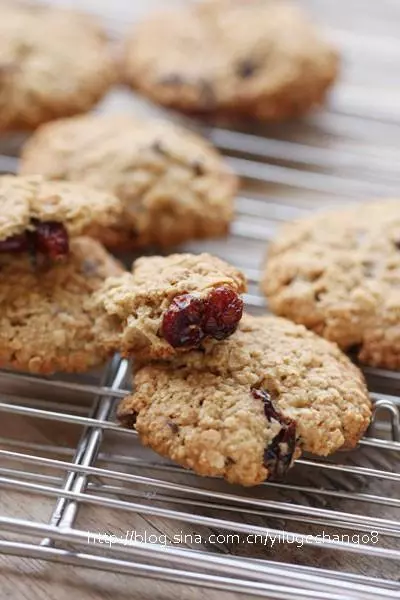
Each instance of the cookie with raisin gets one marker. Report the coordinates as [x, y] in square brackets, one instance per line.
[169, 305]
[39, 217]
[246, 407]
[260, 60]
[173, 184]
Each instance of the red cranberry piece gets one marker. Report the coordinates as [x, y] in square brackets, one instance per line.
[47, 237]
[51, 239]
[278, 455]
[182, 322]
[16, 243]
[223, 309]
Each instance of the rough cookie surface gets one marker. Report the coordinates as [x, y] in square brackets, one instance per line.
[76, 206]
[259, 59]
[339, 274]
[45, 323]
[204, 422]
[53, 63]
[174, 185]
[133, 309]
[200, 409]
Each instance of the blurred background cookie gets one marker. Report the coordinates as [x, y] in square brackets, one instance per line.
[261, 59]
[53, 63]
[174, 185]
[339, 274]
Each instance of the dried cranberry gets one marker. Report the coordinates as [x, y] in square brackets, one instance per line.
[189, 320]
[278, 455]
[182, 322]
[223, 309]
[16, 243]
[47, 237]
[51, 239]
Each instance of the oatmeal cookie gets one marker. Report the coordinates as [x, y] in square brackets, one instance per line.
[246, 408]
[339, 274]
[45, 323]
[53, 63]
[261, 59]
[174, 185]
[41, 215]
[169, 304]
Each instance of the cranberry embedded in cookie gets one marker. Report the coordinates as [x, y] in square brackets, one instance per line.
[223, 309]
[14, 244]
[189, 319]
[51, 239]
[40, 217]
[182, 322]
[279, 454]
[170, 304]
[48, 238]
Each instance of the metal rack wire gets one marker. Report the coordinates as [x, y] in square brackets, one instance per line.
[99, 466]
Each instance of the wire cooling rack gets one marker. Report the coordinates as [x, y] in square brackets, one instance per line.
[331, 530]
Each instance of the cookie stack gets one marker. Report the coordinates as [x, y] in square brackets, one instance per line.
[224, 395]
